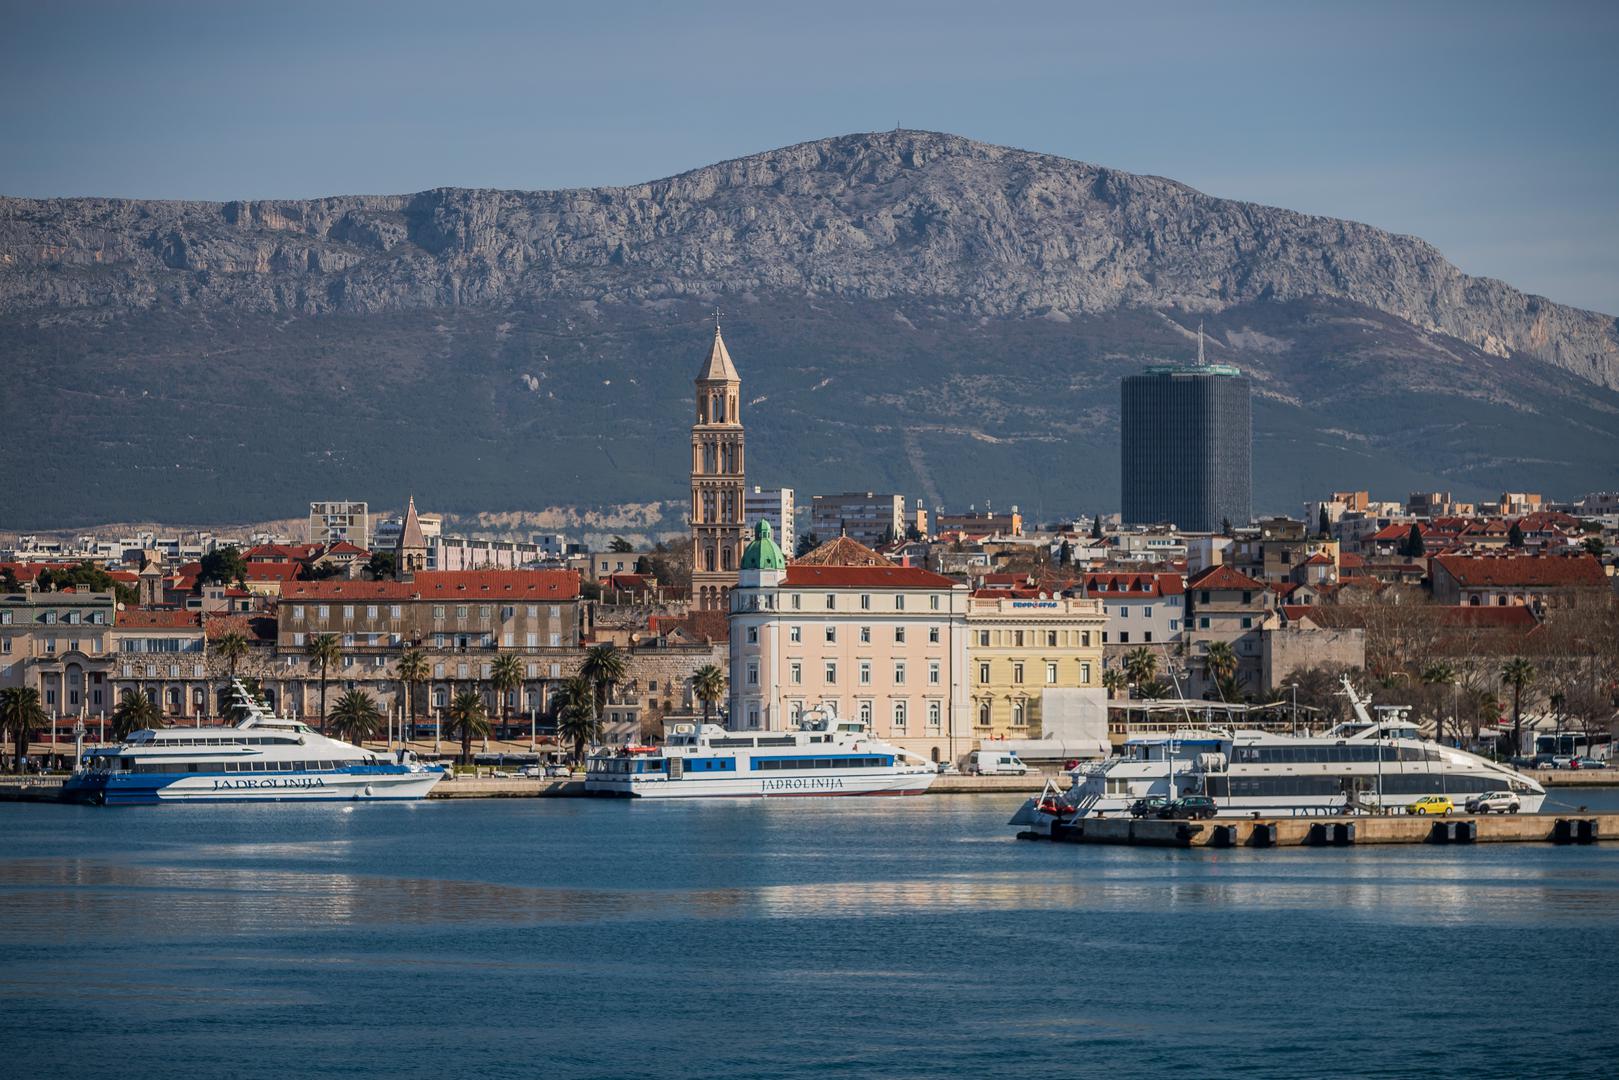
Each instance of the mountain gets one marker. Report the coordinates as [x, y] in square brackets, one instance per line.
[909, 310]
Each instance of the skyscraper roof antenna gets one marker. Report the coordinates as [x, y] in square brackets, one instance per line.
[1200, 360]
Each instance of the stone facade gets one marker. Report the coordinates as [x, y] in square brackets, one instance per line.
[1018, 646]
[717, 484]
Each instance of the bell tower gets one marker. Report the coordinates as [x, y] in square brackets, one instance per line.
[717, 528]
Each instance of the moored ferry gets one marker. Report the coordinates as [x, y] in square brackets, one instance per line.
[824, 755]
[263, 758]
[1362, 766]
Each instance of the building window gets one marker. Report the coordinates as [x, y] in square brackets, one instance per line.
[753, 635]
[1203, 623]
[1203, 596]
[933, 603]
[1247, 622]
[865, 601]
[1147, 611]
[865, 635]
[1051, 674]
[1084, 639]
[1017, 714]
[348, 612]
[297, 612]
[983, 714]
[1085, 673]
[831, 672]
[899, 673]
[1247, 598]
[753, 674]
[1147, 637]
[983, 639]
[795, 634]
[865, 673]
[796, 601]
[983, 673]
[795, 673]
[831, 601]
[933, 714]
[899, 635]
[933, 635]
[899, 603]
[865, 713]
[1124, 637]
[831, 635]
[324, 611]
[1017, 672]
[371, 611]
[899, 714]
[933, 673]
[1051, 639]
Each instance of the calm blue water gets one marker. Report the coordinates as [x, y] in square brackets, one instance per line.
[889, 938]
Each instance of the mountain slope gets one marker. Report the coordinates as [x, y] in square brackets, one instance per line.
[912, 310]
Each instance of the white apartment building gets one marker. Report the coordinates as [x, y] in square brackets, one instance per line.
[864, 516]
[774, 505]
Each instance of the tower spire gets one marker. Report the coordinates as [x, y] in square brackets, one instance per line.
[1200, 360]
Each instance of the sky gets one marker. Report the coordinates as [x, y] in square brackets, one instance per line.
[1488, 129]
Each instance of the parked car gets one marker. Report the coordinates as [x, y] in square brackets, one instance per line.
[1189, 808]
[531, 771]
[948, 768]
[1148, 806]
[1494, 802]
[559, 770]
[1432, 804]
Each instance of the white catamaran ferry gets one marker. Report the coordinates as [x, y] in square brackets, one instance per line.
[1364, 765]
[824, 755]
[263, 758]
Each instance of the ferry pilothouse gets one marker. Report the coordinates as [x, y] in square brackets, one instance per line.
[263, 758]
[1364, 765]
[824, 755]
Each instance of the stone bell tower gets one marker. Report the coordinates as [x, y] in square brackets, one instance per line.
[717, 528]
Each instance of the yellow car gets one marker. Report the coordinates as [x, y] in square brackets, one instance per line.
[1431, 804]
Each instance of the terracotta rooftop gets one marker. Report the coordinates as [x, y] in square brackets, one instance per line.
[446, 584]
[1223, 577]
[1133, 585]
[1522, 571]
[841, 551]
[157, 618]
[803, 576]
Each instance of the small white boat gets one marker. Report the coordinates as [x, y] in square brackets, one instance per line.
[824, 755]
[263, 758]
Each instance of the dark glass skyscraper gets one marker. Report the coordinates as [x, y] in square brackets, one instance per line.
[1187, 447]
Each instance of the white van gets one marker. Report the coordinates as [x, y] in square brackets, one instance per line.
[996, 763]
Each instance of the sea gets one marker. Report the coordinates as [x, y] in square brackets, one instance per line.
[784, 938]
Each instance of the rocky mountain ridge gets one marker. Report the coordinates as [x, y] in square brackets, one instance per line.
[935, 220]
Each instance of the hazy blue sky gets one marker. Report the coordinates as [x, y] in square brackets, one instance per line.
[1489, 129]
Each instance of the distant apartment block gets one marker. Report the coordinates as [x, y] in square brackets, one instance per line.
[774, 505]
[867, 517]
[330, 522]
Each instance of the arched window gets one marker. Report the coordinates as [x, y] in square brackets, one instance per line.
[1017, 714]
[983, 714]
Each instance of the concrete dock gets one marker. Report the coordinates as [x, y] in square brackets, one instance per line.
[1337, 831]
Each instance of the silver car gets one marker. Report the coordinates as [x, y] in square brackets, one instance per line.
[1494, 802]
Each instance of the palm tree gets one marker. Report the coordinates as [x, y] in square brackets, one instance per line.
[231, 647]
[1140, 665]
[1221, 662]
[413, 670]
[1517, 673]
[506, 676]
[22, 715]
[1152, 690]
[1114, 680]
[1439, 674]
[578, 721]
[467, 720]
[603, 669]
[708, 686]
[134, 712]
[356, 717]
[323, 652]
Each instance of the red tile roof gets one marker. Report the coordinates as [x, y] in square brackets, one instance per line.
[281, 552]
[803, 576]
[157, 618]
[1223, 577]
[446, 584]
[1522, 571]
[344, 547]
[273, 571]
[1132, 586]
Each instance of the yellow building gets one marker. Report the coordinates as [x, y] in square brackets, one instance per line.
[1020, 644]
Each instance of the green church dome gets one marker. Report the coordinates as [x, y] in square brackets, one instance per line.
[763, 554]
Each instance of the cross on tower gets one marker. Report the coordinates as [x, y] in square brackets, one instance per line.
[716, 313]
